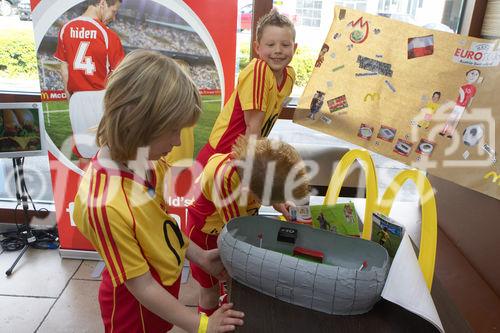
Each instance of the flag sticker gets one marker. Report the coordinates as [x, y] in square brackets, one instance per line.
[420, 46]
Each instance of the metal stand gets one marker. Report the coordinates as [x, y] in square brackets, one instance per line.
[22, 199]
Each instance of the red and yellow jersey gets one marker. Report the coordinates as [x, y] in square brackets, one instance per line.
[91, 50]
[220, 199]
[256, 90]
[125, 219]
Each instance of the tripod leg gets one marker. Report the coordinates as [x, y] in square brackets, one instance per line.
[9, 271]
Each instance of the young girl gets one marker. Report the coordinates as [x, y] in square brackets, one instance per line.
[120, 206]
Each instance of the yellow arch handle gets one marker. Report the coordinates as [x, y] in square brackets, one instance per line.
[428, 239]
[338, 179]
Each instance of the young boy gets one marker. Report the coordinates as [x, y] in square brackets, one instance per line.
[120, 206]
[261, 90]
[235, 184]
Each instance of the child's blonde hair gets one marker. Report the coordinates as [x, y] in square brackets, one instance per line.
[273, 18]
[287, 160]
[147, 95]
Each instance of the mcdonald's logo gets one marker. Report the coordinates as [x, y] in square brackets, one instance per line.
[495, 176]
[373, 97]
[428, 240]
[45, 96]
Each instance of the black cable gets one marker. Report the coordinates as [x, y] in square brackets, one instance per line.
[14, 241]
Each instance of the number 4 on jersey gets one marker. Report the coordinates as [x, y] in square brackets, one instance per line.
[83, 62]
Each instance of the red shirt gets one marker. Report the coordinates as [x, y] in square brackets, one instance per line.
[91, 50]
[469, 92]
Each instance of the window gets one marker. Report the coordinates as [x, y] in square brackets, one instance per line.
[309, 12]
[19, 75]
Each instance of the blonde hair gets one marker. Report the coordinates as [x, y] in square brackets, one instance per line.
[287, 160]
[147, 95]
[273, 18]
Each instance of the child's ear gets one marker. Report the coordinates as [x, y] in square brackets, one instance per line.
[256, 47]
[295, 47]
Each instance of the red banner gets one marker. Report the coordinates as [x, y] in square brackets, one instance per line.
[172, 18]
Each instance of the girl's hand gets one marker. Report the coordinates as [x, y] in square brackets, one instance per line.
[225, 319]
[213, 265]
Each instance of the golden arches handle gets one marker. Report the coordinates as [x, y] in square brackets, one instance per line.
[338, 179]
[428, 239]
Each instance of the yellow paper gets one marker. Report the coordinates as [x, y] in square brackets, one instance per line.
[375, 85]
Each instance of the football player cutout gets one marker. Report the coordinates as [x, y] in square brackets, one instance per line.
[89, 51]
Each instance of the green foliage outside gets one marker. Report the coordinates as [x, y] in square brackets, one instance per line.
[58, 126]
[302, 62]
[17, 54]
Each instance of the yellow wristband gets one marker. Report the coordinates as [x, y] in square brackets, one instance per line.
[203, 323]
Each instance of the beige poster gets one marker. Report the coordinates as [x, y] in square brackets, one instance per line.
[427, 98]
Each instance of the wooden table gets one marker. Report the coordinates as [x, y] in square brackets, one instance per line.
[267, 314]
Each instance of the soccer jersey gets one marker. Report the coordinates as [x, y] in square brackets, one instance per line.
[91, 50]
[219, 200]
[126, 221]
[256, 90]
[469, 92]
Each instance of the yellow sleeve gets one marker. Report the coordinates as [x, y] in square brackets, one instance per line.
[182, 155]
[255, 83]
[227, 192]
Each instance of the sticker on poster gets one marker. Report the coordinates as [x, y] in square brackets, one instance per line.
[425, 147]
[493, 155]
[403, 147]
[479, 54]
[337, 103]
[374, 65]
[316, 104]
[420, 46]
[360, 30]
[365, 132]
[466, 93]
[386, 133]
[372, 96]
[495, 177]
[390, 86]
[321, 57]
[342, 14]
[365, 74]
[325, 119]
[473, 134]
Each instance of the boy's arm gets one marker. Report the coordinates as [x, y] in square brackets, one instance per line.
[253, 122]
[159, 301]
[209, 260]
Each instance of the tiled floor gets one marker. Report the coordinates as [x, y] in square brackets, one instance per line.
[47, 294]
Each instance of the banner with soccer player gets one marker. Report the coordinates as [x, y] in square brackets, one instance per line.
[79, 43]
[423, 97]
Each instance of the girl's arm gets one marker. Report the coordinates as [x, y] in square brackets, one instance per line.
[253, 121]
[159, 301]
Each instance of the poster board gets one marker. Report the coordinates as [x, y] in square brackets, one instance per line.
[426, 98]
[189, 31]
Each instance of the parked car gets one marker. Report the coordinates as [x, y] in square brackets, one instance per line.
[24, 10]
[7, 7]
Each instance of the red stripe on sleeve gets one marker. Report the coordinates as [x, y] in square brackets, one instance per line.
[225, 193]
[99, 229]
[108, 230]
[263, 85]
[216, 187]
[230, 190]
[254, 83]
[260, 89]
